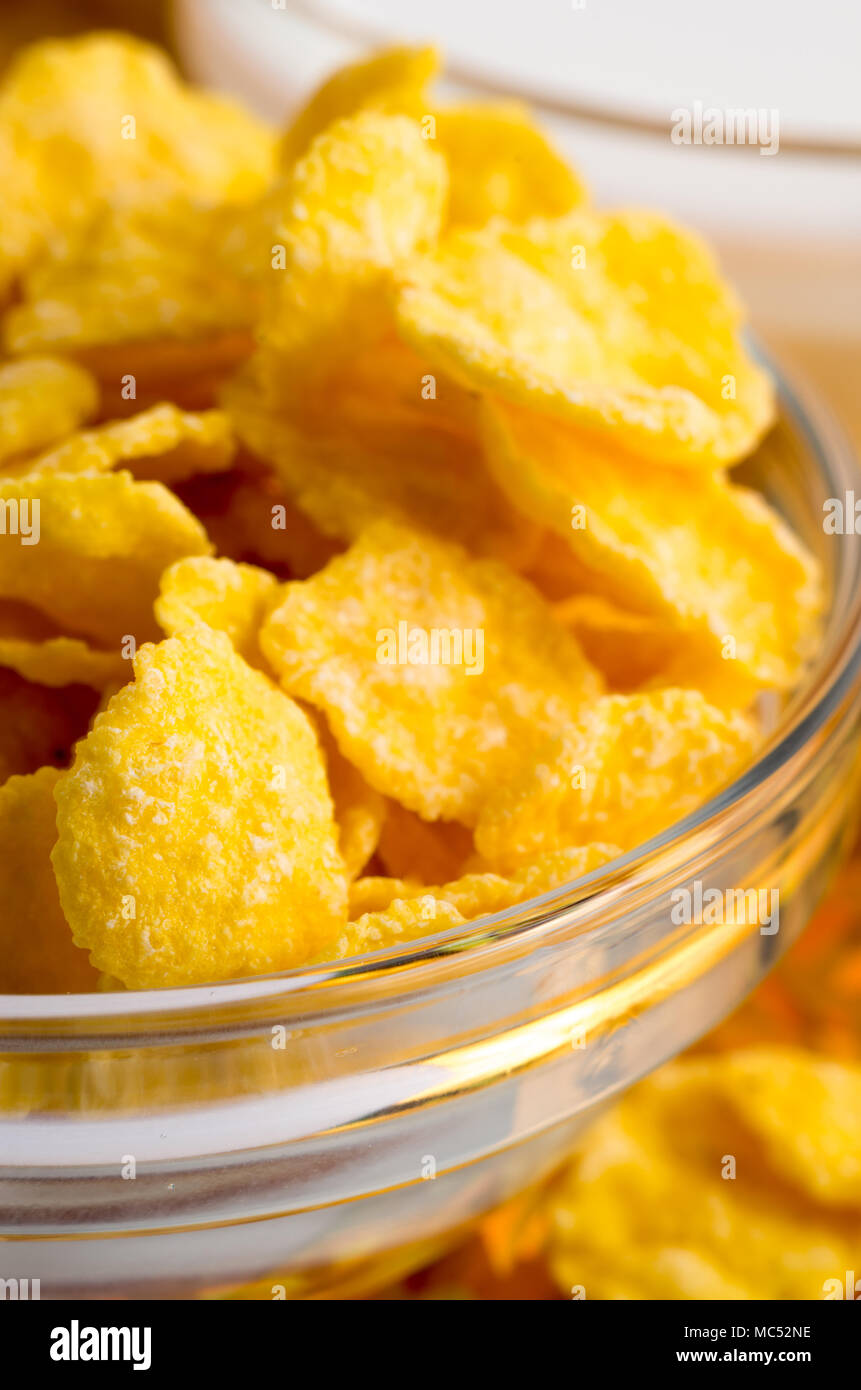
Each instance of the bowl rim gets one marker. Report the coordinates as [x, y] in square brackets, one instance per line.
[594, 902]
[357, 30]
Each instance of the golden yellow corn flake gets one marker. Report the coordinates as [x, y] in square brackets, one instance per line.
[163, 444]
[390, 81]
[479, 892]
[347, 465]
[821, 1153]
[558, 866]
[706, 556]
[37, 953]
[196, 836]
[617, 322]
[501, 165]
[60, 661]
[367, 194]
[631, 766]
[34, 647]
[219, 594]
[436, 672]
[404, 920]
[396, 910]
[474, 895]
[104, 118]
[166, 274]
[735, 1176]
[659, 756]
[42, 399]
[103, 542]
[38, 726]
[375, 892]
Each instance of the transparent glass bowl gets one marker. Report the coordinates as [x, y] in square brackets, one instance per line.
[321, 1130]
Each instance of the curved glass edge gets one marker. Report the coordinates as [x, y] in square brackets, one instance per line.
[362, 32]
[598, 898]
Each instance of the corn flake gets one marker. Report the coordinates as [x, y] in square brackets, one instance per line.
[436, 671]
[346, 464]
[706, 556]
[391, 81]
[34, 647]
[177, 285]
[645, 1211]
[163, 444]
[103, 542]
[616, 322]
[631, 766]
[501, 165]
[402, 921]
[196, 837]
[374, 893]
[398, 910]
[104, 118]
[368, 193]
[230, 598]
[42, 399]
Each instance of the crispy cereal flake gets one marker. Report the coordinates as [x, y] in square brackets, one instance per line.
[219, 594]
[42, 399]
[707, 557]
[616, 322]
[104, 118]
[501, 165]
[367, 194]
[436, 672]
[398, 910]
[631, 765]
[196, 836]
[163, 444]
[644, 1210]
[391, 81]
[103, 541]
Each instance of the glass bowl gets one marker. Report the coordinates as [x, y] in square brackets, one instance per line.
[320, 1131]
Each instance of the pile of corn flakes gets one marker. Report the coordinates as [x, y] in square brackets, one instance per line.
[370, 558]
